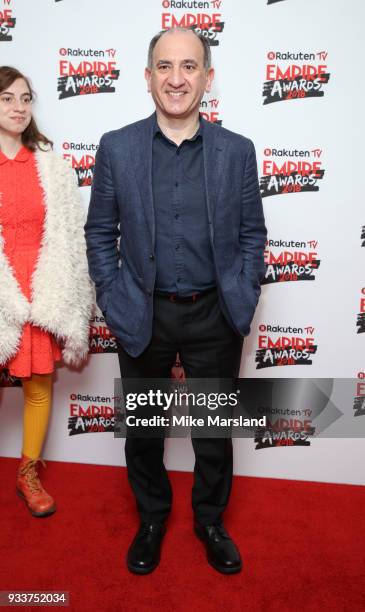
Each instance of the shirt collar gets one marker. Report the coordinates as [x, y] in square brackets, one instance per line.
[22, 156]
[199, 132]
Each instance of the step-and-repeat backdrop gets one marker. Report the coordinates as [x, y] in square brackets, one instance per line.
[288, 75]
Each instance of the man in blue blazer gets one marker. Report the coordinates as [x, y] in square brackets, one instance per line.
[183, 196]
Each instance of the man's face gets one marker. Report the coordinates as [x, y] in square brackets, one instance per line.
[178, 79]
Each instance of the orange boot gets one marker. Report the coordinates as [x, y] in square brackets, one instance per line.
[29, 488]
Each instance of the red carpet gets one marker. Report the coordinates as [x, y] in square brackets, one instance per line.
[302, 543]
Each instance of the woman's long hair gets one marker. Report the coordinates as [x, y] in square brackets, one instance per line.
[31, 137]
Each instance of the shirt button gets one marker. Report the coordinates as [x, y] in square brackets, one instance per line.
[176, 184]
[179, 280]
[177, 247]
[152, 257]
[177, 216]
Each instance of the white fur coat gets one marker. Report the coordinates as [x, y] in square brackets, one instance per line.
[61, 291]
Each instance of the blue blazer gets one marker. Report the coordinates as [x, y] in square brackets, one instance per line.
[121, 205]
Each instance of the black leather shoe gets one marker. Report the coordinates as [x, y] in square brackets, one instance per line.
[222, 553]
[144, 552]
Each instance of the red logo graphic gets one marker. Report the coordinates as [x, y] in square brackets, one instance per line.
[361, 316]
[359, 400]
[86, 77]
[290, 81]
[7, 23]
[285, 262]
[293, 175]
[210, 110]
[84, 163]
[284, 346]
[207, 23]
[90, 414]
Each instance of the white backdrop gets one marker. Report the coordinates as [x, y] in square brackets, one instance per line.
[253, 42]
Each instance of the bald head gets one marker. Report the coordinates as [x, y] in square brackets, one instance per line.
[207, 56]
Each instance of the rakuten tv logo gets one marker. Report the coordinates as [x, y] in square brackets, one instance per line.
[82, 158]
[289, 76]
[209, 23]
[284, 346]
[290, 171]
[101, 340]
[83, 77]
[361, 316]
[90, 414]
[7, 21]
[289, 260]
[209, 109]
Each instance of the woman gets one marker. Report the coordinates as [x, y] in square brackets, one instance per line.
[45, 293]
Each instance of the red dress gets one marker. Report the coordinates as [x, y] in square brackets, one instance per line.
[21, 217]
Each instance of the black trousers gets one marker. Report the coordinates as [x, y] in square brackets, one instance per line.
[208, 348]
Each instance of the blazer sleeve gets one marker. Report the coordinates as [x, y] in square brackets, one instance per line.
[102, 226]
[253, 233]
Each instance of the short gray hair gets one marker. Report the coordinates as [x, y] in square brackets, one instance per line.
[203, 39]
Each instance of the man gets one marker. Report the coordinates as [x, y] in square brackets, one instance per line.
[183, 195]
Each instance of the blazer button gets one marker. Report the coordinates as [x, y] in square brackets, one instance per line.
[152, 257]
[149, 292]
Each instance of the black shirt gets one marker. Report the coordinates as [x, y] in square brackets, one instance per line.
[184, 255]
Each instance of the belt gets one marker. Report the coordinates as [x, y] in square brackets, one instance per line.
[175, 297]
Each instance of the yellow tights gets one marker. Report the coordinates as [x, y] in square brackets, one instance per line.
[37, 405]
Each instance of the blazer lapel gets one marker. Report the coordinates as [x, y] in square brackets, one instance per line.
[213, 151]
[141, 153]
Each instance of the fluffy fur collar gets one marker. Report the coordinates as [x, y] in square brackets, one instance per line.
[62, 297]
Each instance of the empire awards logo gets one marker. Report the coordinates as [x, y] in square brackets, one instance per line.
[90, 414]
[206, 18]
[101, 340]
[289, 260]
[295, 75]
[286, 428]
[360, 323]
[81, 76]
[290, 171]
[209, 110]
[81, 155]
[7, 21]
[280, 345]
[359, 400]
[296, 409]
